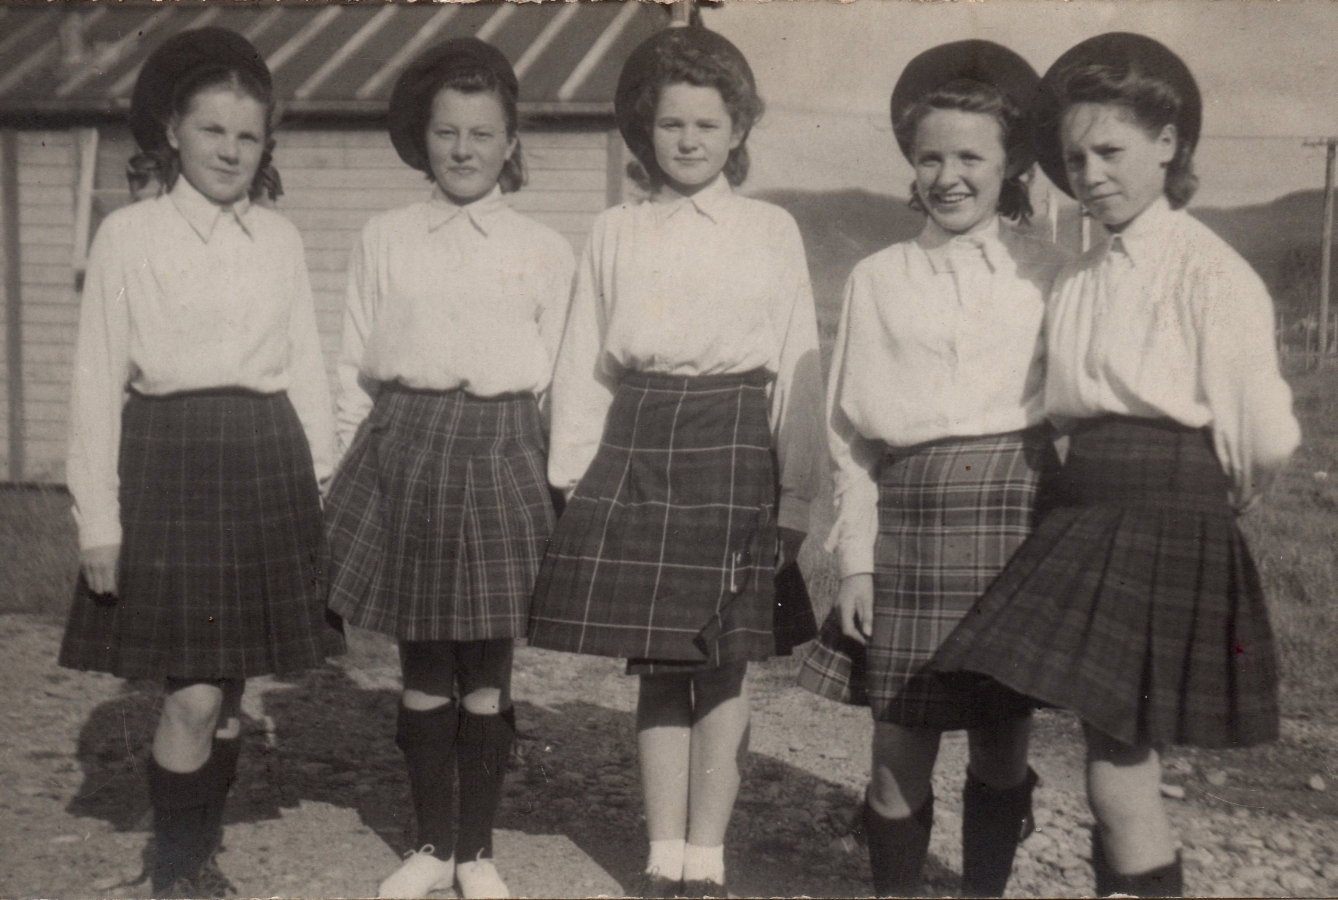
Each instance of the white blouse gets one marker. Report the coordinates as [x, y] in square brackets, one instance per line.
[182, 295]
[442, 297]
[710, 284]
[1165, 320]
[940, 337]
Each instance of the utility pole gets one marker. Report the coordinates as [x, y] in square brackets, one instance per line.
[1326, 247]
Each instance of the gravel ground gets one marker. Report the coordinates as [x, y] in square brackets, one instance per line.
[321, 805]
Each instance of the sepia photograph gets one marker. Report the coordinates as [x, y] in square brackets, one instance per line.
[668, 448]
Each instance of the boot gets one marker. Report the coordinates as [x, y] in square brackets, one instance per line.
[897, 849]
[993, 824]
[1163, 881]
[183, 826]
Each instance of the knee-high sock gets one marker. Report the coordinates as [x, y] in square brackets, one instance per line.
[427, 739]
[225, 754]
[993, 824]
[1163, 881]
[183, 824]
[485, 745]
[897, 849]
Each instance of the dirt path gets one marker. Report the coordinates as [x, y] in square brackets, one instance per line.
[321, 805]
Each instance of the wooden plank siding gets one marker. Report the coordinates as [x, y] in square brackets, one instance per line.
[334, 181]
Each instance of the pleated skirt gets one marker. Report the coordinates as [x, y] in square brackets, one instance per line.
[1136, 602]
[666, 552]
[950, 516]
[438, 516]
[222, 559]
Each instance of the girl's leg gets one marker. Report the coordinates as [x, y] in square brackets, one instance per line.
[664, 740]
[996, 805]
[487, 730]
[719, 742]
[899, 808]
[1133, 849]
[187, 784]
[426, 733]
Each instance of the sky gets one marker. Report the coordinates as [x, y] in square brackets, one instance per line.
[1268, 70]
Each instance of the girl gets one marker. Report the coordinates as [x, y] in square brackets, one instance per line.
[692, 349]
[199, 427]
[1136, 603]
[439, 512]
[937, 429]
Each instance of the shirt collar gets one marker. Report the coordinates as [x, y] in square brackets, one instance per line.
[941, 245]
[482, 213]
[1144, 234]
[202, 213]
[711, 201]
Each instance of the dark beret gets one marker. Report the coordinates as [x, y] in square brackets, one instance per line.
[175, 58]
[974, 60]
[1121, 50]
[643, 66]
[416, 88]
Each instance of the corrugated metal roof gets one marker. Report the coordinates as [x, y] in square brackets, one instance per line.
[82, 59]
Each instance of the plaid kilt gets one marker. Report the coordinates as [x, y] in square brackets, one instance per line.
[666, 551]
[1136, 602]
[438, 515]
[221, 571]
[950, 515]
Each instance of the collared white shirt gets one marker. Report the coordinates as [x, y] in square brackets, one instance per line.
[442, 297]
[1165, 320]
[182, 295]
[709, 284]
[940, 337]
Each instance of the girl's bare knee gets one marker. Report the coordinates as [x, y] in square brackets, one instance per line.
[418, 701]
[193, 708]
[483, 701]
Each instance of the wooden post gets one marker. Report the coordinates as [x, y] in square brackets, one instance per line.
[9, 201]
[1326, 251]
[680, 13]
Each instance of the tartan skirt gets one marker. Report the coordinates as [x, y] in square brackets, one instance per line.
[950, 515]
[666, 552]
[221, 572]
[1135, 603]
[438, 515]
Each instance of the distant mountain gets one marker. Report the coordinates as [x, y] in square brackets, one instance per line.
[1267, 233]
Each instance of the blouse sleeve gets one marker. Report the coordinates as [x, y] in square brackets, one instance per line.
[101, 371]
[560, 268]
[353, 400]
[796, 403]
[308, 386]
[855, 460]
[583, 383]
[1254, 430]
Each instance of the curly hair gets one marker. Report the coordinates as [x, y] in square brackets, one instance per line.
[969, 95]
[1153, 102]
[475, 80]
[164, 163]
[699, 68]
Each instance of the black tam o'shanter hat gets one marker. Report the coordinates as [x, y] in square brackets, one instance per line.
[1123, 51]
[181, 55]
[411, 99]
[972, 60]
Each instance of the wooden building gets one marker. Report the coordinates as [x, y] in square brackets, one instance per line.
[66, 74]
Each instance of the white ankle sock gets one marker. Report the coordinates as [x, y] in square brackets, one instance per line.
[704, 863]
[666, 858]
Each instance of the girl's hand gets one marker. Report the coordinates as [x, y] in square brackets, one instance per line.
[790, 542]
[98, 565]
[855, 600]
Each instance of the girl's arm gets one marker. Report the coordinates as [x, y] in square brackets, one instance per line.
[796, 402]
[583, 386]
[1254, 431]
[559, 269]
[101, 371]
[308, 386]
[353, 397]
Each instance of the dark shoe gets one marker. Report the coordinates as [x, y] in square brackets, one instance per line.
[652, 885]
[897, 849]
[993, 824]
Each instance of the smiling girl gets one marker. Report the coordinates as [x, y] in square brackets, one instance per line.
[937, 428]
[439, 511]
[200, 423]
[1136, 603]
[687, 387]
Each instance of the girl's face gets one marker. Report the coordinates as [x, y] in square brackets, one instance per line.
[467, 142]
[960, 163]
[220, 140]
[1115, 167]
[693, 135]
